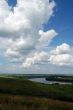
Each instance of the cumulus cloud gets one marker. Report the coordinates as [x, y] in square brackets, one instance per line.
[46, 37]
[12, 53]
[36, 58]
[21, 27]
[62, 55]
[23, 41]
[19, 46]
[22, 38]
[62, 59]
[4, 10]
[26, 15]
[61, 49]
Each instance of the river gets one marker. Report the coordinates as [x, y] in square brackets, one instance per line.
[44, 81]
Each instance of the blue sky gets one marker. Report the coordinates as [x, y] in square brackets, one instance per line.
[54, 41]
[62, 21]
[12, 2]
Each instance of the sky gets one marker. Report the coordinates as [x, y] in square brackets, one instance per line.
[36, 36]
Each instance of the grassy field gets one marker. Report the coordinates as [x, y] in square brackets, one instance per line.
[25, 87]
[19, 94]
[16, 102]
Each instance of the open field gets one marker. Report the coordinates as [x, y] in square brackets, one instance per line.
[22, 94]
[25, 87]
[17, 102]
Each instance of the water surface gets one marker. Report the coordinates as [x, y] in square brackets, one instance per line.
[44, 81]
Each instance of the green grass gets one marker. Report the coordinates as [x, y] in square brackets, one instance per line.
[28, 88]
[19, 94]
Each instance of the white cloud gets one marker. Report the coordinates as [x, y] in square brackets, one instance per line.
[36, 58]
[19, 27]
[18, 47]
[62, 55]
[62, 59]
[12, 53]
[4, 10]
[22, 37]
[46, 37]
[61, 49]
[25, 16]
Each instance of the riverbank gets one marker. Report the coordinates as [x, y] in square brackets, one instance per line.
[25, 87]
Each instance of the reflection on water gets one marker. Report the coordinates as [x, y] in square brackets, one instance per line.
[44, 81]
